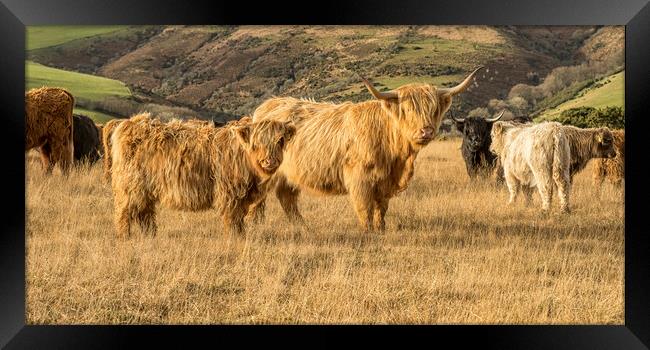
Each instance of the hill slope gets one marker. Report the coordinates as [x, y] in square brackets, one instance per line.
[608, 91]
[85, 87]
[232, 69]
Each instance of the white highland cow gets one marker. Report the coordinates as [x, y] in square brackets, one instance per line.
[547, 155]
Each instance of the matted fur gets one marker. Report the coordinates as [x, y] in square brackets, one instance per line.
[612, 169]
[49, 126]
[192, 166]
[546, 155]
[365, 149]
[107, 132]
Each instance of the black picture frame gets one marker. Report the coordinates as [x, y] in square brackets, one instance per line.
[635, 15]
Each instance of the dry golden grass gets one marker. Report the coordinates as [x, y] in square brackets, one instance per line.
[453, 253]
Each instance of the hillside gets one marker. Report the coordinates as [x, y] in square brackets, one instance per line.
[85, 87]
[39, 37]
[606, 92]
[230, 70]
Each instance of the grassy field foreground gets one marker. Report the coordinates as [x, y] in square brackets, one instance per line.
[453, 253]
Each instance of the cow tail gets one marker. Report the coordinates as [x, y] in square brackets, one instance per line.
[561, 155]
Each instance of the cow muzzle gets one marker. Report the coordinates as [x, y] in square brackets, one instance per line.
[611, 154]
[269, 165]
[424, 136]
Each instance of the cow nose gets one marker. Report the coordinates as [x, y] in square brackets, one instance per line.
[426, 132]
[269, 163]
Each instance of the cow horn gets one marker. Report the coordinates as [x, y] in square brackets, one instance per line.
[460, 87]
[495, 118]
[379, 95]
[462, 120]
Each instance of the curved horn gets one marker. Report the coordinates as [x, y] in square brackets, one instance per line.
[379, 95]
[495, 118]
[462, 86]
[462, 120]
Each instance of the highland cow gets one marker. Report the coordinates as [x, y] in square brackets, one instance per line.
[87, 139]
[475, 148]
[49, 126]
[365, 149]
[545, 155]
[612, 169]
[192, 167]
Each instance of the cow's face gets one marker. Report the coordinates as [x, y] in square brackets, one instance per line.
[419, 108]
[603, 147]
[476, 132]
[264, 143]
[418, 113]
[499, 136]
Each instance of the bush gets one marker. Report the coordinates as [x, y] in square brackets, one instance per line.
[589, 117]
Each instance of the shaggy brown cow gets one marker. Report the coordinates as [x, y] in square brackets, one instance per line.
[365, 149]
[87, 140]
[192, 167]
[614, 168]
[107, 132]
[49, 126]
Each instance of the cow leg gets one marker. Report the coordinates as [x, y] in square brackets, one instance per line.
[62, 153]
[598, 177]
[147, 220]
[380, 208]
[500, 178]
[363, 203]
[122, 219]
[513, 188]
[563, 183]
[545, 188]
[257, 211]
[528, 194]
[233, 220]
[46, 158]
[288, 197]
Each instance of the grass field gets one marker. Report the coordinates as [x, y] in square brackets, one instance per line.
[453, 253]
[85, 86]
[612, 93]
[39, 37]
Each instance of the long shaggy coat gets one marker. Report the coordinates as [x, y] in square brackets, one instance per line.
[49, 126]
[366, 149]
[191, 166]
[107, 132]
[546, 155]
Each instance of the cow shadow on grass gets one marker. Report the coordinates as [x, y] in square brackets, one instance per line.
[349, 236]
[553, 226]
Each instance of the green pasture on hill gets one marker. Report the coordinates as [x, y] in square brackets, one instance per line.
[82, 86]
[610, 94]
[38, 37]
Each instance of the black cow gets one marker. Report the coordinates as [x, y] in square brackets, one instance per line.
[480, 162]
[476, 145]
[86, 138]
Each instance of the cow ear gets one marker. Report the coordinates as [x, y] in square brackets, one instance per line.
[497, 128]
[290, 130]
[243, 134]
